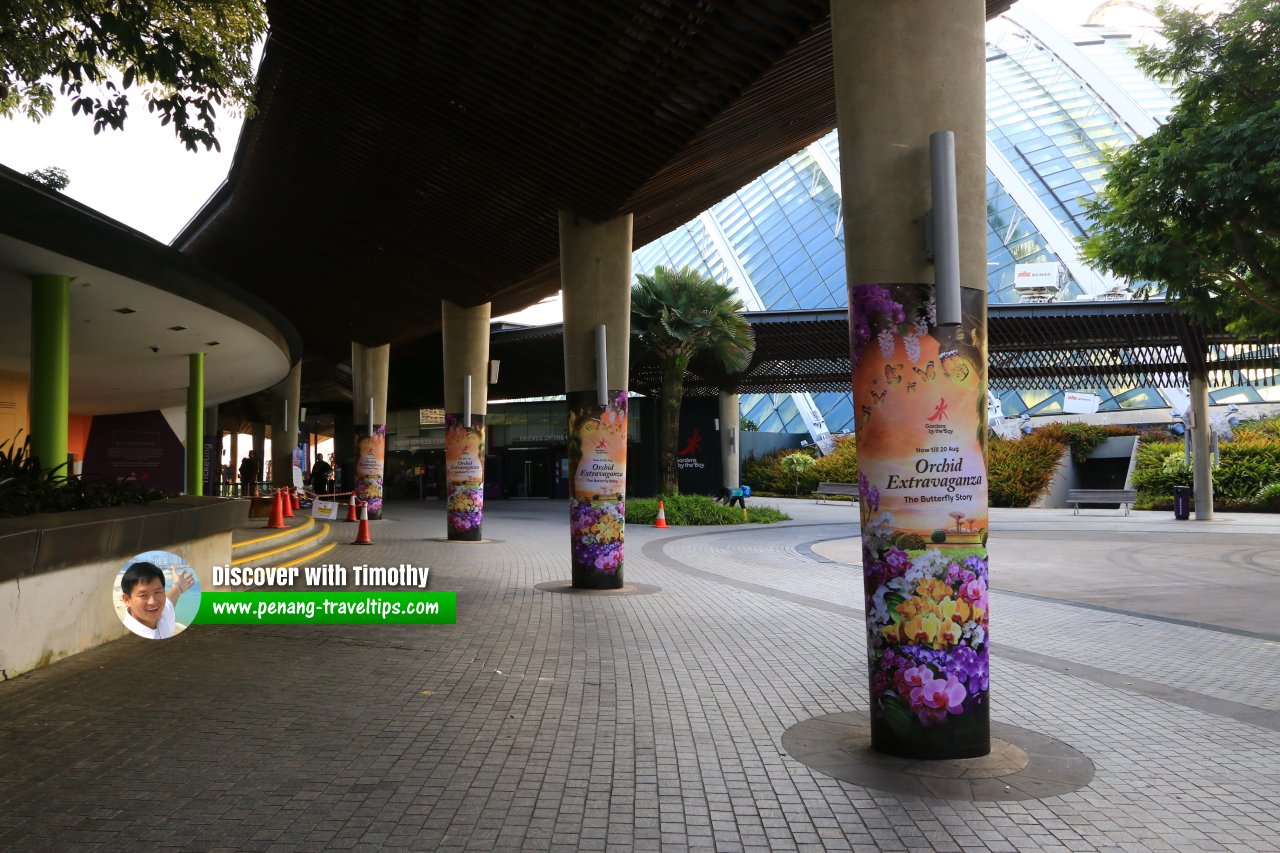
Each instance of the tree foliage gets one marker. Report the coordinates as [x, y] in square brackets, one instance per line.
[1195, 206]
[187, 59]
[676, 314]
[53, 177]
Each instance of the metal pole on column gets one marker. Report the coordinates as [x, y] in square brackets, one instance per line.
[602, 367]
[946, 227]
[466, 401]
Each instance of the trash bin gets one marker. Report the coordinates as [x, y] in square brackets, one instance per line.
[1181, 502]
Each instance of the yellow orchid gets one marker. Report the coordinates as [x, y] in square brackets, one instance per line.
[934, 589]
[949, 635]
[922, 629]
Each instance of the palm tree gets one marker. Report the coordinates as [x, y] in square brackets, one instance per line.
[677, 314]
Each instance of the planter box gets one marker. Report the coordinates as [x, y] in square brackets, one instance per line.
[57, 569]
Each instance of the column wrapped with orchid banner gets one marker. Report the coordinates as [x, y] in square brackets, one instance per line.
[920, 400]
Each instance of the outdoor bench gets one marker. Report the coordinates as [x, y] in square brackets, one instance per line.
[1124, 497]
[825, 489]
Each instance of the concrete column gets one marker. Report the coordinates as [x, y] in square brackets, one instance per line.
[195, 424]
[370, 368]
[900, 76]
[919, 389]
[466, 364]
[1201, 448]
[730, 440]
[595, 270]
[284, 425]
[50, 369]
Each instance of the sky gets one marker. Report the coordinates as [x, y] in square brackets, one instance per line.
[143, 177]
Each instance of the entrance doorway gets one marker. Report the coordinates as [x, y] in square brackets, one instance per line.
[528, 472]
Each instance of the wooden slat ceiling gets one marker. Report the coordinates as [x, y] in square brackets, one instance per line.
[404, 151]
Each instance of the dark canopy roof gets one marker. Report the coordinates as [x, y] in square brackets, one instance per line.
[403, 151]
[1051, 346]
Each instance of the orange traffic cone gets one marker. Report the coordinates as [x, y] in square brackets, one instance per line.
[276, 522]
[362, 533]
[351, 509]
[285, 501]
[293, 493]
[661, 520]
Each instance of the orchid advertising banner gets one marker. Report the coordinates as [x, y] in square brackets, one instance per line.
[597, 487]
[370, 452]
[920, 399]
[464, 467]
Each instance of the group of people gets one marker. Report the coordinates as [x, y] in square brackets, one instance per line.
[322, 474]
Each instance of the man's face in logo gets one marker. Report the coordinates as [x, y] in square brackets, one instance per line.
[146, 602]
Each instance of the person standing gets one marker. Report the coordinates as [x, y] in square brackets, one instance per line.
[322, 476]
[248, 475]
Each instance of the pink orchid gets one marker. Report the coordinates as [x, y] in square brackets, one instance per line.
[940, 694]
[912, 679]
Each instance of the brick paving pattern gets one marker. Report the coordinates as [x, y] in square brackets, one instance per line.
[559, 722]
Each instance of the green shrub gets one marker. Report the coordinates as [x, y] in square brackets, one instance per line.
[1247, 466]
[683, 510]
[938, 537]
[1082, 438]
[26, 489]
[1268, 497]
[797, 465]
[909, 541]
[840, 465]
[1261, 427]
[1159, 468]
[764, 474]
[1019, 471]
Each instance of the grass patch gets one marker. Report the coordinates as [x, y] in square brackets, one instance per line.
[683, 510]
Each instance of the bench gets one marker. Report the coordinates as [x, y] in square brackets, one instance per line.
[824, 489]
[1124, 497]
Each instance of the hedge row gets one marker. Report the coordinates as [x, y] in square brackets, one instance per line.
[1019, 471]
[698, 509]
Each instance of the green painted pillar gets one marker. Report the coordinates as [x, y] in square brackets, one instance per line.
[195, 425]
[50, 368]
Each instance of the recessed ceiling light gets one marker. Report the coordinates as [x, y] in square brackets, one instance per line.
[125, 311]
[177, 328]
[212, 343]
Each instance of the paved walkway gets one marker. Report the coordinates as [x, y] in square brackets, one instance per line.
[549, 721]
